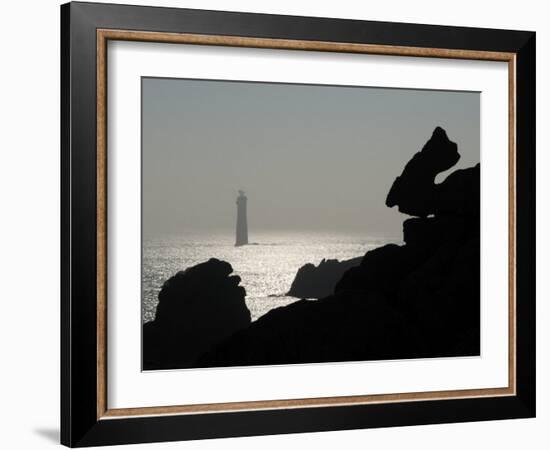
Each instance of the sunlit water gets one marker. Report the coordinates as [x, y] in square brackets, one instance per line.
[267, 268]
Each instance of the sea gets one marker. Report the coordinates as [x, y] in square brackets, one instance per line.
[267, 266]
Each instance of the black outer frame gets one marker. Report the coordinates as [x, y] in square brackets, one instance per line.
[79, 424]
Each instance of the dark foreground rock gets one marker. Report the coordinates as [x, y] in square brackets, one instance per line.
[319, 281]
[420, 299]
[414, 191]
[197, 309]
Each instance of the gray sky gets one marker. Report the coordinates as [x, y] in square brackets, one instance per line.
[309, 157]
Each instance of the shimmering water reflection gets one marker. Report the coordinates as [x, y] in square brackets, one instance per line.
[267, 267]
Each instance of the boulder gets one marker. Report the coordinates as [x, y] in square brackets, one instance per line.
[414, 190]
[197, 308]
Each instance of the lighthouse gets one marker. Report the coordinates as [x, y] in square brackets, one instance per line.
[242, 226]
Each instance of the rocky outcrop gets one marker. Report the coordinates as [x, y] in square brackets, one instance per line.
[340, 327]
[420, 299]
[319, 281]
[413, 191]
[197, 309]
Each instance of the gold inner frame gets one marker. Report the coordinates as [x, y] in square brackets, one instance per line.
[104, 35]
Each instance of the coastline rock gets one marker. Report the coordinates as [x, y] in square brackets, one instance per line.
[414, 190]
[319, 281]
[336, 328]
[197, 308]
[416, 300]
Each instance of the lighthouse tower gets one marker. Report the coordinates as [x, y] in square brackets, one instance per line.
[242, 226]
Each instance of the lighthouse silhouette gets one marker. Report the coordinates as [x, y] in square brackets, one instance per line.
[242, 226]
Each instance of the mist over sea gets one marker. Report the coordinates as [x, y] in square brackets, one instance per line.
[267, 266]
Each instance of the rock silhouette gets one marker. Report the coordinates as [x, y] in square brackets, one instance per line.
[197, 309]
[319, 281]
[416, 300]
[340, 327]
[413, 191]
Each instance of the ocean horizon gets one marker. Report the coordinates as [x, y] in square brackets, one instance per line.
[267, 266]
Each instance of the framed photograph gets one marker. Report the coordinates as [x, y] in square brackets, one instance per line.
[277, 224]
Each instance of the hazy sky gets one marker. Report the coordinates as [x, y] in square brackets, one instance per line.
[309, 157]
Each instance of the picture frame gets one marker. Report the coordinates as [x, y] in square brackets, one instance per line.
[86, 418]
